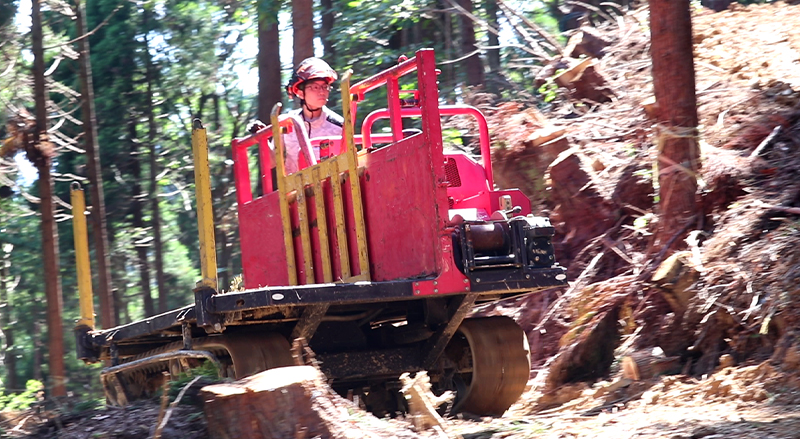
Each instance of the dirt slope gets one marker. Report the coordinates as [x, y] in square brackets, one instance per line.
[740, 302]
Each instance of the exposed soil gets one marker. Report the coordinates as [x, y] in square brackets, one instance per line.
[726, 324]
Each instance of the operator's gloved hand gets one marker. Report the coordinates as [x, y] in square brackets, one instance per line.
[255, 126]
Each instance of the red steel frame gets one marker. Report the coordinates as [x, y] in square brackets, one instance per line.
[406, 195]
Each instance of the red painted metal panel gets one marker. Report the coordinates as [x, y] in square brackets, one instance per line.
[450, 279]
[432, 135]
[400, 211]
[263, 252]
[472, 182]
[396, 121]
[244, 193]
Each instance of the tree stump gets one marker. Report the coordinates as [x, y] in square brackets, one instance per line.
[585, 81]
[277, 403]
[587, 41]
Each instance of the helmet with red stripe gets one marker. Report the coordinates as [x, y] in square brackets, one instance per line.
[309, 69]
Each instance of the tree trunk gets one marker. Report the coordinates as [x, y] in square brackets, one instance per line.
[270, 90]
[473, 64]
[674, 86]
[37, 344]
[329, 52]
[137, 222]
[98, 211]
[155, 221]
[493, 55]
[43, 162]
[303, 30]
[328, 18]
[448, 72]
[118, 265]
[9, 358]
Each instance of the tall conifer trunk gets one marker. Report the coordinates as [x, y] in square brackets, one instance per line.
[473, 64]
[137, 222]
[155, 221]
[270, 89]
[328, 18]
[493, 55]
[303, 30]
[43, 162]
[269, 59]
[98, 211]
[674, 86]
[10, 358]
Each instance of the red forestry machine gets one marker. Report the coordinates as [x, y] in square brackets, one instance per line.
[375, 257]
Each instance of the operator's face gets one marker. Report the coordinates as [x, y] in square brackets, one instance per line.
[315, 93]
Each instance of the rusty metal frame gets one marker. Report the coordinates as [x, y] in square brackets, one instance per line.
[160, 358]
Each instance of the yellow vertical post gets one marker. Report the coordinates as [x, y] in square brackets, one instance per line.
[319, 172]
[286, 219]
[205, 210]
[338, 212]
[81, 239]
[301, 179]
[355, 185]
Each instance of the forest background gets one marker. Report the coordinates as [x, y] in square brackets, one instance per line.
[155, 66]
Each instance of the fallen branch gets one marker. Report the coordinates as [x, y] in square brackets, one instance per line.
[570, 291]
[792, 210]
[766, 142]
[157, 434]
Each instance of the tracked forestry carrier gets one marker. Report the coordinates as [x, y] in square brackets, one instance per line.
[375, 257]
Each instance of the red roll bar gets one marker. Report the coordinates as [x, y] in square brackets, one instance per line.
[444, 110]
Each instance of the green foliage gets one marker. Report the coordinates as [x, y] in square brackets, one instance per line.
[452, 136]
[88, 405]
[549, 90]
[32, 394]
[207, 373]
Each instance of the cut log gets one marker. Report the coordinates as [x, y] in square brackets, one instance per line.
[587, 349]
[544, 135]
[271, 404]
[674, 278]
[289, 402]
[566, 77]
[645, 365]
[578, 204]
[586, 42]
[277, 403]
[584, 81]
[524, 167]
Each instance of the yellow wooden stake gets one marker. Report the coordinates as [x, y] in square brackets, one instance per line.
[355, 185]
[301, 180]
[84, 269]
[205, 209]
[338, 211]
[283, 193]
[318, 174]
